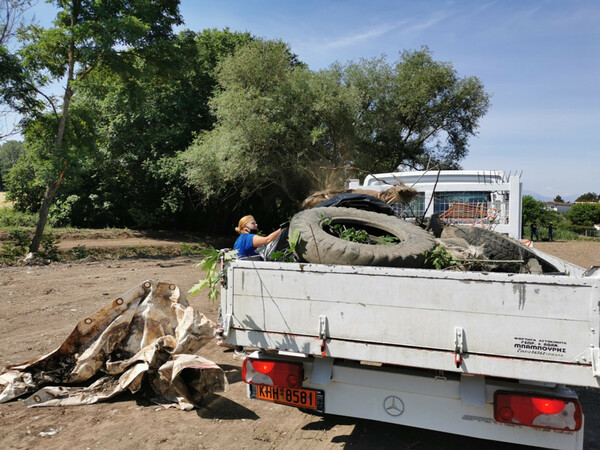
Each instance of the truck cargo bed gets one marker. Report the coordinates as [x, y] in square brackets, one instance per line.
[535, 327]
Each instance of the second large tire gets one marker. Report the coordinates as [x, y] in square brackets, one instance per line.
[316, 245]
[498, 248]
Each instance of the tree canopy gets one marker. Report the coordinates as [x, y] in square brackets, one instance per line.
[586, 214]
[588, 197]
[84, 36]
[277, 124]
[414, 112]
[141, 119]
[285, 130]
[155, 129]
[534, 210]
[10, 152]
[11, 73]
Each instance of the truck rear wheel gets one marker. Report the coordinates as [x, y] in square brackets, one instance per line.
[318, 245]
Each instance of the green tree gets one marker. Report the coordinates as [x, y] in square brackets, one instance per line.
[534, 210]
[10, 152]
[27, 179]
[586, 214]
[558, 199]
[11, 18]
[143, 119]
[588, 197]
[416, 112]
[283, 130]
[278, 126]
[85, 36]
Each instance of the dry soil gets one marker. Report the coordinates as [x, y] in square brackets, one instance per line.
[40, 305]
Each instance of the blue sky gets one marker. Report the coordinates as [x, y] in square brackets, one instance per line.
[540, 61]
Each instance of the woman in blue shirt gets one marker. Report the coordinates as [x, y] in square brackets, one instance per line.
[248, 240]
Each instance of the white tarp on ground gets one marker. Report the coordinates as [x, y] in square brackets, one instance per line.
[144, 341]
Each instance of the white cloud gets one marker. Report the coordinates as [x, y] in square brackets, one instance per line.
[364, 36]
[426, 24]
[404, 26]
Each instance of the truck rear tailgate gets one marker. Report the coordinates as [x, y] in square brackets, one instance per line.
[536, 327]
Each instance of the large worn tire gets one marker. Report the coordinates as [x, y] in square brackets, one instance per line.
[498, 247]
[316, 245]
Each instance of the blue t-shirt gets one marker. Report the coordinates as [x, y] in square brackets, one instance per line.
[243, 245]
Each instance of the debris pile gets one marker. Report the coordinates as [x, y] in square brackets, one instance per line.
[355, 227]
[395, 194]
[144, 341]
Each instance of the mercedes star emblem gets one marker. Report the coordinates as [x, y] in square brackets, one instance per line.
[393, 405]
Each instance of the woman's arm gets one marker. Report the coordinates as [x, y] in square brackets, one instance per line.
[257, 240]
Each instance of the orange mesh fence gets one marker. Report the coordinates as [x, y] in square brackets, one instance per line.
[469, 214]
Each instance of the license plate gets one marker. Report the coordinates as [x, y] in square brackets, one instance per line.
[301, 398]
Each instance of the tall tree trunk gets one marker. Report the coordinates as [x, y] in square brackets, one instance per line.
[43, 216]
[53, 185]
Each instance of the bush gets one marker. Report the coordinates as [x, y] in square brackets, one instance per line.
[16, 246]
[565, 234]
[49, 247]
[10, 218]
[580, 229]
[61, 212]
[18, 242]
[80, 252]
[585, 214]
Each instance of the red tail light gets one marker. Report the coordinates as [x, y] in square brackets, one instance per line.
[272, 373]
[553, 413]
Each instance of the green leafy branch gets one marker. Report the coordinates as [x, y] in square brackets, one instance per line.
[439, 258]
[214, 275]
[388, 240]
[288, 255]
[352, 234]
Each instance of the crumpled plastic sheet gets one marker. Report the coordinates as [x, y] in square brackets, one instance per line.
[144, 341]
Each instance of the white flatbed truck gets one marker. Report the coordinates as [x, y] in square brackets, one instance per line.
[486, 355]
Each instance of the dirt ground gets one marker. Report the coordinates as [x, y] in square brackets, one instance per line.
[40, 305]
[583, 253]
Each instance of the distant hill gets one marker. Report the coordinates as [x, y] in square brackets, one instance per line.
[539, 197]
[543, 198]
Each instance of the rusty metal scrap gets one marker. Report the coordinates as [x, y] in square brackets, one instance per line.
[149, 333]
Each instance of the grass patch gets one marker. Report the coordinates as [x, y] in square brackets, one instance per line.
[565, 235]
[16, 238]
[11, 219]
[95, 254]
[11, 255]
[16, 247]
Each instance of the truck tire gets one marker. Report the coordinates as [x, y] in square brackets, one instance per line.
[316, 245]
[498, 247]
